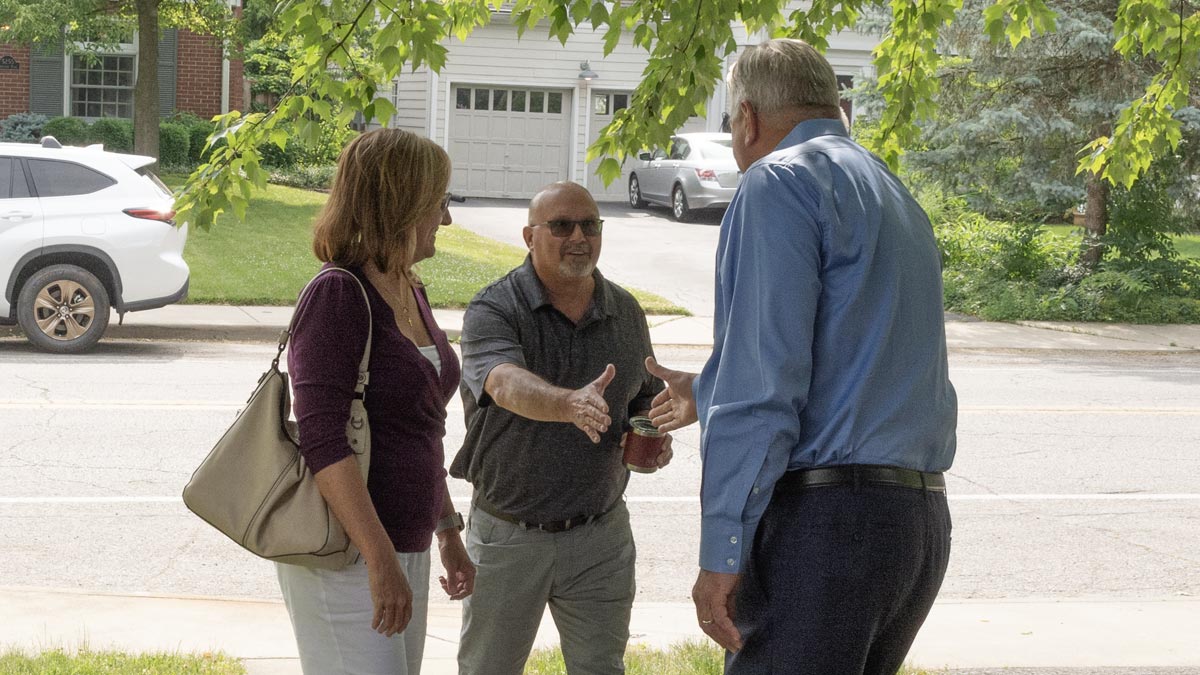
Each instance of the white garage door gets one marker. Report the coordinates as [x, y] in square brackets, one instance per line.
[507, 141]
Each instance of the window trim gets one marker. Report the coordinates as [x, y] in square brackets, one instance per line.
[123, 49]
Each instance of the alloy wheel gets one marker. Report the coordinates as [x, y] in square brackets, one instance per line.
[64, 310]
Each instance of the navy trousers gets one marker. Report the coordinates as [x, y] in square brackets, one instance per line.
[840, 579]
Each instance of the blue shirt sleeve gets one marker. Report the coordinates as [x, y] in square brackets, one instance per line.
[753, 388]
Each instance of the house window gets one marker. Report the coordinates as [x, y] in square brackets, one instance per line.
[518, 101]
[462, 98]
[536, 101]
[846, 82]
[102, 86]
[554, 103]
[481, 98]
[609, 104]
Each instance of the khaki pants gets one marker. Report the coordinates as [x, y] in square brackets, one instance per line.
[586, 575]
[331, 614]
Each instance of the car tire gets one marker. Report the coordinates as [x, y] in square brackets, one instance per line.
[635, 193]
[63, 309]
[679, 205]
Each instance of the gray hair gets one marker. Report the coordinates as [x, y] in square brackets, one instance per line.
[783, 75]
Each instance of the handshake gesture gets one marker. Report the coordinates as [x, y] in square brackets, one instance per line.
[675, 406]
[588, 411]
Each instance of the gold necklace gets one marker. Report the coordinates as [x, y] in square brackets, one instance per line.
[403, 305]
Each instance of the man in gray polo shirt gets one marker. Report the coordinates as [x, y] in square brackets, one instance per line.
[552, 372]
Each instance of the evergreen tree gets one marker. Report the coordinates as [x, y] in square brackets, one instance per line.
[1011, 120]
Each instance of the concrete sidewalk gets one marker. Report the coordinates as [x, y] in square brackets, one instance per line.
[238, 323]
[958, 634]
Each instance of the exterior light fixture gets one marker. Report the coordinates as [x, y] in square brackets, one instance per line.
[586, 73]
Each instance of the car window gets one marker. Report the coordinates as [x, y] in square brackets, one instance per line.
[720, 149]
[5, 177]
[20, 183]
[659, 154]
[149, 175]
[62, 179]
[680, 149]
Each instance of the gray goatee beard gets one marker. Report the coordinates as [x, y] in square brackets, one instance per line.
[576, 267]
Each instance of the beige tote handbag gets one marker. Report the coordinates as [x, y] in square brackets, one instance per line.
[255, 487]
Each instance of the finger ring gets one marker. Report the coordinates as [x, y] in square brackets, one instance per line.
[706, 621]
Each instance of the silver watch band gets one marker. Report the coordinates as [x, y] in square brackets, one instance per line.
[452, 521]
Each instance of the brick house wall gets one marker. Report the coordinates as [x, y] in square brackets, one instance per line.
[14, 84]
[198, 76]
[198, 80]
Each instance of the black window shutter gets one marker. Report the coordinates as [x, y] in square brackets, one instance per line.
[167, 59]
[46, 79]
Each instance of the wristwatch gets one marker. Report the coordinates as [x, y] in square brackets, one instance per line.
[454, 520]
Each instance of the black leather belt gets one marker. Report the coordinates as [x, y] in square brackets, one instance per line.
[861, 474]
[551, 527]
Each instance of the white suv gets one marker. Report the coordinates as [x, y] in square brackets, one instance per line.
[83, 230]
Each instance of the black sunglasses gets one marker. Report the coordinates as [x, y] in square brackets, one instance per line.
[564, 228]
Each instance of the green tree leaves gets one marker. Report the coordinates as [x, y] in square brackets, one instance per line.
[347, 48]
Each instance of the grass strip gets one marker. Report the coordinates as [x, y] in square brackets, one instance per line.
[88, 662]
[683, 658]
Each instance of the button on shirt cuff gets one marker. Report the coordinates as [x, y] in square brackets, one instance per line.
[724, 546]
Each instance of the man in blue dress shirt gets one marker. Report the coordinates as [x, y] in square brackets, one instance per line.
[826, 409]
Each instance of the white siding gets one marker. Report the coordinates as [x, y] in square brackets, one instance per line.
[410, 95]
[493, 56]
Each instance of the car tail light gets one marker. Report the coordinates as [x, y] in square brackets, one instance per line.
[706, 175]
[152, 214]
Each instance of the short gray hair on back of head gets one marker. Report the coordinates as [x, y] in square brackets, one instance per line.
[783, 75]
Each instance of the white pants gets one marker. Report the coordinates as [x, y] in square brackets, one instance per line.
[331, 614]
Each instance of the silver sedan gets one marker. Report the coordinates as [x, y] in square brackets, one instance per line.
[698, 172]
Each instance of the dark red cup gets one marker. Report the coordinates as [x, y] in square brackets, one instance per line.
[643, 445]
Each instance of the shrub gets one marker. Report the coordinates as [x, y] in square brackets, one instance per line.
[67, 130]
[307, 177]
[22, 127]
[1142, 220]
[116, 134]
[321, 150]
[1003, 271]
[198, 132]
[173, 140]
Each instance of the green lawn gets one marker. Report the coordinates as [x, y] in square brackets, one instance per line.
[87, 662]
[685, 658]
[267, 259]
[1188, 245]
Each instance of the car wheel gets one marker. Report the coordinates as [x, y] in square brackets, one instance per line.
[635, 193]
[679, 205]
[63, 309]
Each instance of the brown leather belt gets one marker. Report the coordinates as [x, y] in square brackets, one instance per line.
[551, 527]
[861, 474]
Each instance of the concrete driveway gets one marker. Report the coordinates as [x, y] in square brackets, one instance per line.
[643, 248]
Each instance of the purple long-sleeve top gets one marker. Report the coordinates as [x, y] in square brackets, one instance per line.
[405, 400]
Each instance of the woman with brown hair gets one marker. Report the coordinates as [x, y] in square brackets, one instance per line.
[388, 200]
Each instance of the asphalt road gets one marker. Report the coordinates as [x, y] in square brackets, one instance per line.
[1076, 475]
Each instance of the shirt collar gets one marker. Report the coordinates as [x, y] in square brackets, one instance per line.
[810, 129]
[603, 304]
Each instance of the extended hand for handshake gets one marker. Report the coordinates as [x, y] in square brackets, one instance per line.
[587, 410]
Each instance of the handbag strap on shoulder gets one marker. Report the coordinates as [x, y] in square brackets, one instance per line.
[364, 375]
